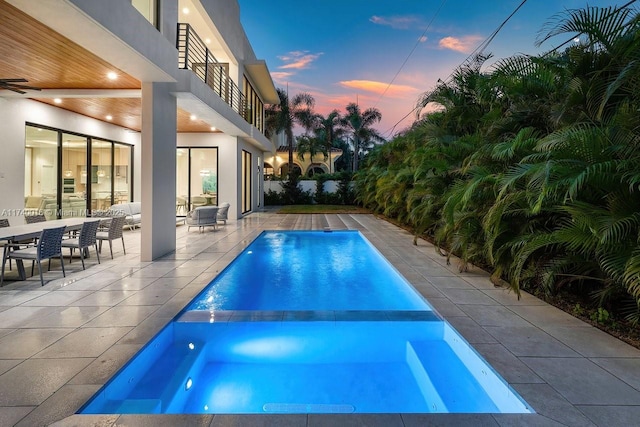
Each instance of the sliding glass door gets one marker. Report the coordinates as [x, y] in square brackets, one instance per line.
[196, 178]
[74, 161]
[66, 174]
[41, 172]
[101, 175]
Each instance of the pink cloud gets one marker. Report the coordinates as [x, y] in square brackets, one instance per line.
[298, 60]
[464, 44]
[281, 76]
[397, 22]
[393, 91]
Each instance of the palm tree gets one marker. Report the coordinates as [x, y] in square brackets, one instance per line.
[284, 116]
[329, 129]
[312, 145]
[359, 125]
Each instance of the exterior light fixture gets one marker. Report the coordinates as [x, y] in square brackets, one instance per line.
[193, 117]
[109, 117]
[57, 100]
[185, 10]
[207, 40]
[213, 128]
[111, 75]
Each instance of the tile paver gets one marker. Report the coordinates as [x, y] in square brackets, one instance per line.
[76, 331]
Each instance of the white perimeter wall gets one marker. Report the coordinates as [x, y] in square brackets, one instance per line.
[307, 185]
[15, 113]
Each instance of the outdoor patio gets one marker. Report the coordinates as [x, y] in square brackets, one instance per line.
[60, 343]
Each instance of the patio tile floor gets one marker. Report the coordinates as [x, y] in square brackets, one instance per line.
[59, 343]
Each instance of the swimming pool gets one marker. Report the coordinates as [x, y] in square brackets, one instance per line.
[298, 358]
[310, 270]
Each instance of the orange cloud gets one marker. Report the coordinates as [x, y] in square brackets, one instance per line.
[393, 91]
[298, 60]
[281, 76]
[397, 22]
[464, 44]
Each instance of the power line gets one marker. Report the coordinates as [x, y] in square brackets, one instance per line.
[478, 50]
[415, 46]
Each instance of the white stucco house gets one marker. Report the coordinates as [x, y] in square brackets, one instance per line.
[154, 101]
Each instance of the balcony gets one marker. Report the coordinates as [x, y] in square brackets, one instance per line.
[194, 55]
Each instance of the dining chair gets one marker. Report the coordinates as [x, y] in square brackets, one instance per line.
[49, 246]
[4, 222]
[113, 232]
[198, 201]
[32, 219]
[86, 238]
[181, 204]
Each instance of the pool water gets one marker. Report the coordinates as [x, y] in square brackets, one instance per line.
[223, 355]
[294, 367]
[310, 270]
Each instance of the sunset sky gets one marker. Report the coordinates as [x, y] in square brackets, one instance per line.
[348, 51]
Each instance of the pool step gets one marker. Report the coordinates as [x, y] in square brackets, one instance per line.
[429, 391]
[453, 378]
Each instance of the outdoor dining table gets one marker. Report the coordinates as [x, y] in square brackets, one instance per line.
[22, 232]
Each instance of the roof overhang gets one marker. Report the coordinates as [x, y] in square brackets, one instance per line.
[261, 77]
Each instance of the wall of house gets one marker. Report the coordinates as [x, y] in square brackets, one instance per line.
[227, 163]
[17, 112]
[225, 15]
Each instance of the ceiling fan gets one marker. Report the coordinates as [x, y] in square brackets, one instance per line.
[15, 86]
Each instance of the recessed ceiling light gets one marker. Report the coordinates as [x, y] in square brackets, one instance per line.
[57, 100]
[213, 128]
[185, 10]
[111, 75]
[193, 117]
[109, 117]
[207, 40]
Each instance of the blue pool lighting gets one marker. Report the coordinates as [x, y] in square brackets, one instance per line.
[254, 341]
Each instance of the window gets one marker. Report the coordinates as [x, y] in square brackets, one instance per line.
[254, 110]
[148, 9]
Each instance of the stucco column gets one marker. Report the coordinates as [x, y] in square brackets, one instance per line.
[158, 174]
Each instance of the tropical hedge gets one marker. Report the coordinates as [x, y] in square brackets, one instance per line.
[531, 166]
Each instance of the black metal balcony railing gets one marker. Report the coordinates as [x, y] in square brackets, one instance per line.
[194, 55]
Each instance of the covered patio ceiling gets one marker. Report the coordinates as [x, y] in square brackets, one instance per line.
[71, 77]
